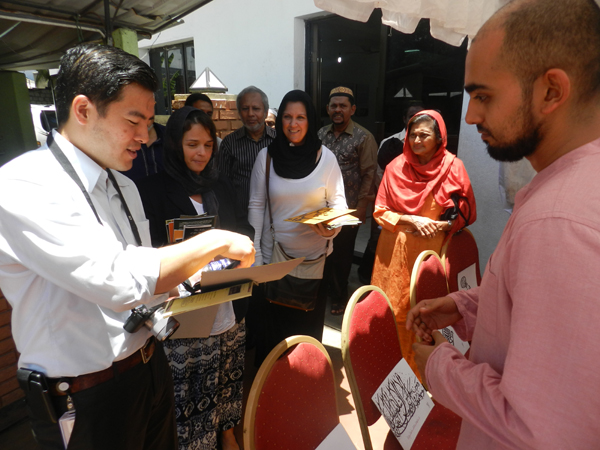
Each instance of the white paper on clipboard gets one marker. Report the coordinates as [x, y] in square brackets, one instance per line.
[258, 274]
[228, 285]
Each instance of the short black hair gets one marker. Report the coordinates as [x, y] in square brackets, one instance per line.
[193, 98]
[545, 34]
[412, 105]
[405, 116]
[99, 72]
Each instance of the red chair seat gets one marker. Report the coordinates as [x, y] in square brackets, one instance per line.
[371, 349]
[292, 403]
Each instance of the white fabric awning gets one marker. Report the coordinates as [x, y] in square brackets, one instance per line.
[450, 20]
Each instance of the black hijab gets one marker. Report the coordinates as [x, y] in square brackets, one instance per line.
[175, 162]
[299, 161]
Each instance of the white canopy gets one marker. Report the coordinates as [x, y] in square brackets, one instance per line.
[450, 20]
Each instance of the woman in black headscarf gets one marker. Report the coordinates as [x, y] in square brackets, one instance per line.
[304, 176]
[207, 371]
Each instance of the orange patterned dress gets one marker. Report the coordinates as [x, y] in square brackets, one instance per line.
[397, 251]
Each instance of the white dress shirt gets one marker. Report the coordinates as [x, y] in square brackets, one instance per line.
[70, 281]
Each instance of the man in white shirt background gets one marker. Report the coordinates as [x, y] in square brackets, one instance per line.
[74, 262]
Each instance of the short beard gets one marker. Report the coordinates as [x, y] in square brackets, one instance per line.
[517, 150]
[254, 128]
[523, 145]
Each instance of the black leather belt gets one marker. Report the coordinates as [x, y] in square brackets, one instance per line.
[71, 385]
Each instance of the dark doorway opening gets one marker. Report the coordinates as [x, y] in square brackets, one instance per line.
[387, 70]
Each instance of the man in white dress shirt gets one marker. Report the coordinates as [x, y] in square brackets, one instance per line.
[74, 261]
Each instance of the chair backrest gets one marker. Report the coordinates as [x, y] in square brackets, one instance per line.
[428, 279]
[369, 325]
[458, 253]
[292, 403]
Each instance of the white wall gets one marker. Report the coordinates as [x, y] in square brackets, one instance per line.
[244, 42]
[483, 172]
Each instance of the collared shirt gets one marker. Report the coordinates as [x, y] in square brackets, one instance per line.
[356, 151]
[533, 372]
[70, 281]
[237, 154]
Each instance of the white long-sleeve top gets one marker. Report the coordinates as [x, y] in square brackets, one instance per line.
[70, 281]
[323, 187]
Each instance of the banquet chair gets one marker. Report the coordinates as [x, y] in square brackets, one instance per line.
[459, 253]
[292, 403]
[428, 279]
[370, 350]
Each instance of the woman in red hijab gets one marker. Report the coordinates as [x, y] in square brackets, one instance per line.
[412, 206]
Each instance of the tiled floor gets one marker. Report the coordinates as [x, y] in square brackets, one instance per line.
[19, 437]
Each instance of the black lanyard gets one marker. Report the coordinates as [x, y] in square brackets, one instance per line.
[68, 167]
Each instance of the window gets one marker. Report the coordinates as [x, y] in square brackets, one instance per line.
[48, 120]
[175, 68]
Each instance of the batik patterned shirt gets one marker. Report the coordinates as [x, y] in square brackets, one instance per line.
[356, 152]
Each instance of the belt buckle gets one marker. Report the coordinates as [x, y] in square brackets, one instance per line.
[147, 350]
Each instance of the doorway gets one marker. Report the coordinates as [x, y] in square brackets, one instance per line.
[387, 70]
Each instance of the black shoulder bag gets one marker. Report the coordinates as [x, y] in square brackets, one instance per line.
[453, 212]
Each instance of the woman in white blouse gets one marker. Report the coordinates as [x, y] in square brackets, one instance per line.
[304, 176]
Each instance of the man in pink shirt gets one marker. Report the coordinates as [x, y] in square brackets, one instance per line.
[532, 377]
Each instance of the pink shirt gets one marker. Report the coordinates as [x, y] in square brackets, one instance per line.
[532, 380]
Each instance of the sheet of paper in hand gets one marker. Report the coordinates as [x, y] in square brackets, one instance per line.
[404, 403]
[338, 439]
[451, 336]
[347, 219]
[467, 278]
[320, 215]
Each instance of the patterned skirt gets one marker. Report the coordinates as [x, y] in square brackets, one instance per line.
[207, 375]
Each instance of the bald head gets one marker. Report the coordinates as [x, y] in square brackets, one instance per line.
[543, 34]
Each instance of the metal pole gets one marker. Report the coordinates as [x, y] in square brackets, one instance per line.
[32, 18]
[108, 23]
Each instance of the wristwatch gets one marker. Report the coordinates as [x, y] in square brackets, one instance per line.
[449, 224]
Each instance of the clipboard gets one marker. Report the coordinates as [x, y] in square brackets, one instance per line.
[222, 286]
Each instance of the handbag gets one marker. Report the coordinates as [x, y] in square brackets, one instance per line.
[299, 289]
[453, 212]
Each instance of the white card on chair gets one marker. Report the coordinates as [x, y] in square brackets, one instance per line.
[451, 336]
[467, 278]
[404, 403]
[338, 439]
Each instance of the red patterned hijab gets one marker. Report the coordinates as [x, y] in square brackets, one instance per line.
[407, 183]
